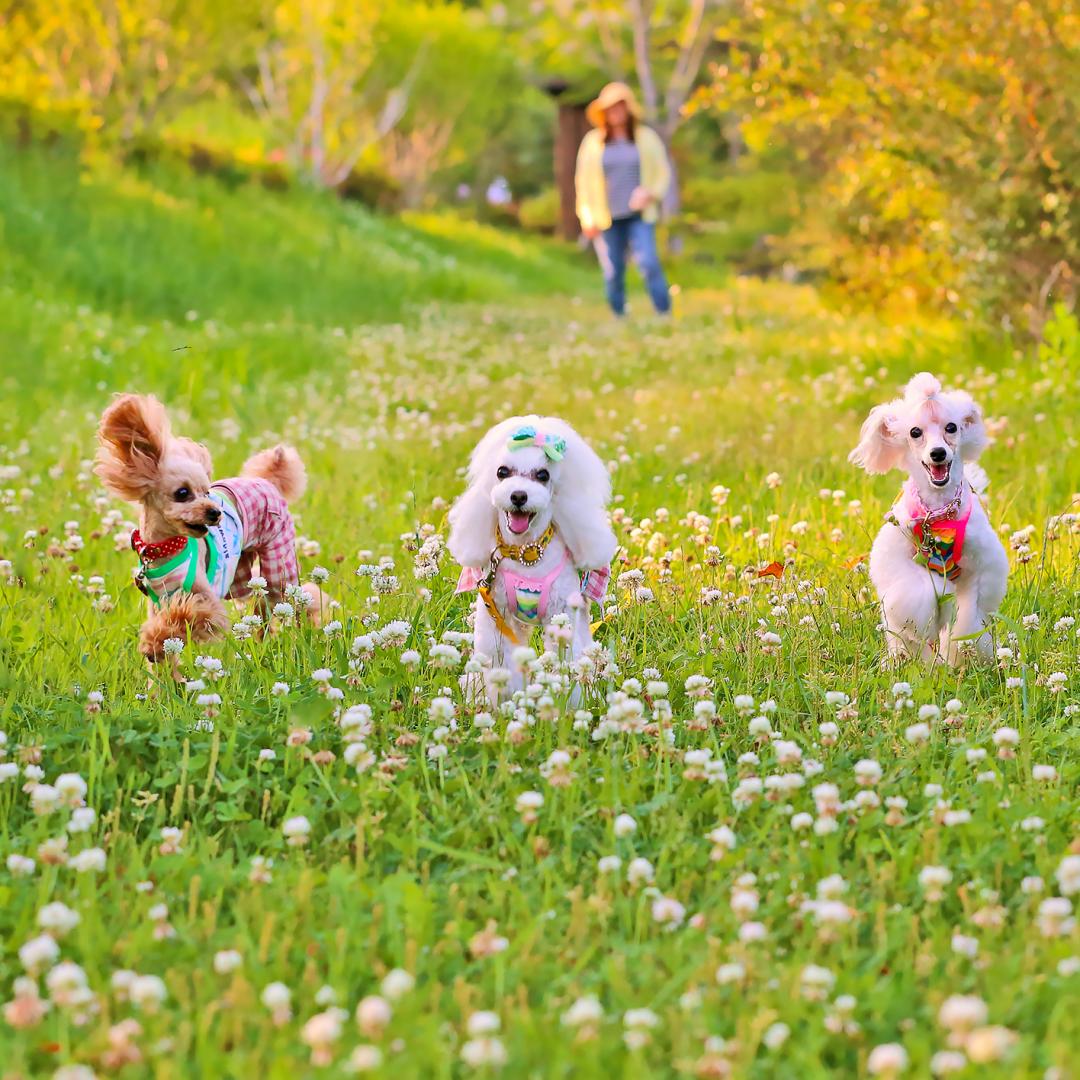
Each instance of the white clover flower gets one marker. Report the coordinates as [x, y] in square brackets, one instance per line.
[276, 995]
[584, 1011]
[528, 800]
[39, 953]
[1044, 774]
[397, 983]
[487, 1051]
[744, 704]
[933, 879]
[624, 825]
[962, 1012]
[20, 865]
[1068, 875]
[730, 973]
[227, 961]
[867, 771]
[668, 911]
[373, 1013]
[776, 1035]
[917, 733]
[888, 1059]
[609, 864]
[1055, 917]
[640, 870]
[44, 799]
[147, 992]
[296, 830]
[89, 860]
[816, 982]
[58, 918]
[965, 945]
[947, 1061]
[640, 1018]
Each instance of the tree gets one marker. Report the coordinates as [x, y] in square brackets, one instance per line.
[314, 81]
[114, 65]
[460, 97]
[943, 136]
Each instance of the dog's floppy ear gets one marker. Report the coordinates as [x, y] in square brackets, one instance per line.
[472, 526]
[582, 491]
[197, 451]
[972, 428]
[473, 521]
[132, 436]
[880, 448]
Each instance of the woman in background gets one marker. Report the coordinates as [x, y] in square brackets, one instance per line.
[622, 176]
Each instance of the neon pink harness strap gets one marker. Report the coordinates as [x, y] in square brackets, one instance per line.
[939, 541]
[594, 584]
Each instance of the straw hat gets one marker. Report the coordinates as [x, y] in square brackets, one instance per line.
[612, 94]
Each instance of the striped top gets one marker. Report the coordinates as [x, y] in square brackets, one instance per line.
[622, 173]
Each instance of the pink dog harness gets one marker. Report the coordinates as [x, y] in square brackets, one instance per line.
[938, 534]
[527, 597]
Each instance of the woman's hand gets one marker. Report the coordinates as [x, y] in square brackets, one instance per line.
[590, 232]
[640, 198]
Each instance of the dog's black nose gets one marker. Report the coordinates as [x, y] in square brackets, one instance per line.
[213, 517]
[519, 498]
[938, 454]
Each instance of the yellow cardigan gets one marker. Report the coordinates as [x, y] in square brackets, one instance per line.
[592, 204]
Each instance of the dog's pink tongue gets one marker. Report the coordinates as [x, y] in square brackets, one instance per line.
[939, 472]
[519, 522]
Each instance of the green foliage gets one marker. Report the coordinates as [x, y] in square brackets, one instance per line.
[120, 66]
[82, 236]
[726, 429]
[739, 216]
[540, 212]
[942, 134]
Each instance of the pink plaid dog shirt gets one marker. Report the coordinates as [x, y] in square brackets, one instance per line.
[255, 524]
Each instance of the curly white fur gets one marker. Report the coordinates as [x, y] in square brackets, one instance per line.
[935, 436]
[572, 493]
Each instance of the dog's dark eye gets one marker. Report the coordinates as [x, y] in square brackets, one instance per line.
[916, 433]
[950, 428]
[502, 472]
[182, 494]
[543, 475]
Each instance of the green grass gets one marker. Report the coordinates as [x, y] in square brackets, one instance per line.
[410, 860]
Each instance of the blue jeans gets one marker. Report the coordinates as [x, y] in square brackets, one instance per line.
[640, 237]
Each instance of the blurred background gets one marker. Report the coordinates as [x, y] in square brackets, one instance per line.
[899, 154]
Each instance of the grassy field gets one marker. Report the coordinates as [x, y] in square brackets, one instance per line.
[786, 911]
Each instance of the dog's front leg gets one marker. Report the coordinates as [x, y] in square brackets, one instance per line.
[967, 621]
[195, 615]
[489, 643]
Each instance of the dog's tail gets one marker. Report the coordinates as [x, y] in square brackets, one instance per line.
[976, 476]
[281, 465]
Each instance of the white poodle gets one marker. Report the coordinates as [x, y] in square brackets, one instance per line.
[937, 564]
[532, 535]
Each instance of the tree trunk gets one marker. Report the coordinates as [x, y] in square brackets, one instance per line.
[571, 129]
[672, 203]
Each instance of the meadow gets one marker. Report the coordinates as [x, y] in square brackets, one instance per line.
[755, 851]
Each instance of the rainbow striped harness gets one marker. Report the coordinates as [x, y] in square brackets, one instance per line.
[938, 534]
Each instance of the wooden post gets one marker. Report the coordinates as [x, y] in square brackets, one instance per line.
[571, 126]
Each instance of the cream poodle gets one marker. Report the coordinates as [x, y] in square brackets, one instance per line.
[938, 566]
[531, 533]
